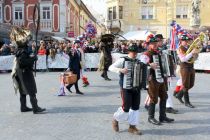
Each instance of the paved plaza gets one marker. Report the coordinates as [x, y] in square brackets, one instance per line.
[88, 117]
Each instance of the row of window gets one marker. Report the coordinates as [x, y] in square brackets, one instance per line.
[146, 12]
[18, 13]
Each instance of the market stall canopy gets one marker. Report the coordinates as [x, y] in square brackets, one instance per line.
[136, 35]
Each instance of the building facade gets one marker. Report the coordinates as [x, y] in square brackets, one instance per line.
[63, 17]
[152, 15]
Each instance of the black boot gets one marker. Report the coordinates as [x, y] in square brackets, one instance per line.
[23, 107]
[163, 117]
[146, 107]
[68, 87]
[77, 89]
[171, 110]
[187, 100]
[179, 96]
[36, 108]
[102, 75]
[175, 94]
[151, 113]
[105, 76]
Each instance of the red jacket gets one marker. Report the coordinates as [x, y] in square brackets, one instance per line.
[42, 52]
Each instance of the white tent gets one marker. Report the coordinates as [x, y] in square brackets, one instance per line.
[60, 39]
[136, 35]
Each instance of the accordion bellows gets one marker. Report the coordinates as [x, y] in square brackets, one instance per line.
[69, 78]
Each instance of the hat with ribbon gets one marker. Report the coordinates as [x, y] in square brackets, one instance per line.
[151, 38]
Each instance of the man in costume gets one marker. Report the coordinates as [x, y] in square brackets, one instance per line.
[169, 103]
[105, 47]
[75, 65]
[23, 70]
[186, 69]
[157, 88]
[130, 97]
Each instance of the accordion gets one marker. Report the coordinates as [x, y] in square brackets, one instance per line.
[165, 66]
[133, 79]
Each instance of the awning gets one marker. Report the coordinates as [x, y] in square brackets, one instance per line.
[136, 35]
[60, 39]
[69, 38]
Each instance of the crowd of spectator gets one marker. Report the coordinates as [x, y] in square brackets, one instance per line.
[51, 48]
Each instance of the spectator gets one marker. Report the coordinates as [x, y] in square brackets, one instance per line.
[12, 49]
[42, 50]
[32, 48]
[208, 47]
[5, 50]
[117, 48]
[124, 49]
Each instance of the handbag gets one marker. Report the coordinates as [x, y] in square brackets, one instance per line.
[70, 78]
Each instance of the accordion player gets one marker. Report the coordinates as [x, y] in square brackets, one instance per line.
[157, 77]
[129, 69]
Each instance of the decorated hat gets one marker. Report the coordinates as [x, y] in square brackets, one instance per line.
[185, 37]
[133, 48]
[151, 38]
[107, 37]
[159, 36]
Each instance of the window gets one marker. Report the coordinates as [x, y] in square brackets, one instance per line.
[114, 12]
[18, 13]
[46, 12]
[120, 12]
[110, 13]
[147, 12]
[182, 12]
[146, 1]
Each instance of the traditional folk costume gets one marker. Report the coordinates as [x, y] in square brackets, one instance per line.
[156, 88]
[187, 71]
[105, 47]
[22, 73]
[129, 111]
[179, 84]
[169, 102]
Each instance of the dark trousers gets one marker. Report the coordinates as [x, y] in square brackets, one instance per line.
[33, 101]
[104, 73]
[75, 85]
[130, 99]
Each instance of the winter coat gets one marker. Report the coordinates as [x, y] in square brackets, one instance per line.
[24, 76]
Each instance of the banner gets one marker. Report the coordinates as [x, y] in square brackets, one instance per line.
[41, 62]
[6, 62]
[91, 60]
[60, 61]
[203, 62]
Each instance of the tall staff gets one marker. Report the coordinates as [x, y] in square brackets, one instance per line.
[36, 24]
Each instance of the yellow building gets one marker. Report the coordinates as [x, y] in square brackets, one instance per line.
[152, 15]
